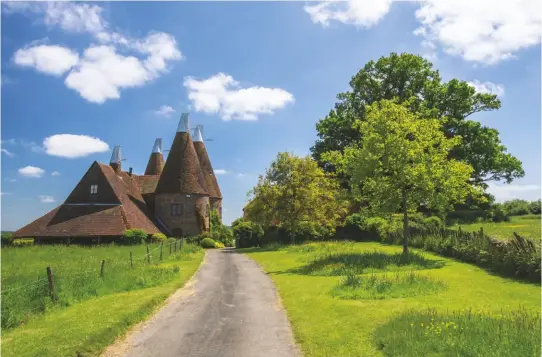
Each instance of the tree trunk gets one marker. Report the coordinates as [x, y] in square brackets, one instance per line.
[405, 223]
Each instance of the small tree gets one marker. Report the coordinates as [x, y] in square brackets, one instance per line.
[404, 163]
[297, 195]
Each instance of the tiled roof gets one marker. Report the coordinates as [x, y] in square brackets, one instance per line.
[147, 183]
[208, 173]
[182, 171]
[155, 164]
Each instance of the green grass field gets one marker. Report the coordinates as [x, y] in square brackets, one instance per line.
[91, 311]
[358, 299]
[526, 226]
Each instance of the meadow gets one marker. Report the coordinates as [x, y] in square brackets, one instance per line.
[362, 299]
[89, 310]
[527, 226]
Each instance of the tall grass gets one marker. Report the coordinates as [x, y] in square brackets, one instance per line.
[76, 271]
[461, 333]
[385, 286]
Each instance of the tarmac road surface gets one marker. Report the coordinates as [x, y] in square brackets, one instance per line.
[229, 309]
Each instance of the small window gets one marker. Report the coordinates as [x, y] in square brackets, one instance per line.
[176, 209]
[93, 189]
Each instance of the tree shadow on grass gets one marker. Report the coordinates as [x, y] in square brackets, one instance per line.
[336, 264]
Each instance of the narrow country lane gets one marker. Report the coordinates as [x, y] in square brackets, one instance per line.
[230, 310]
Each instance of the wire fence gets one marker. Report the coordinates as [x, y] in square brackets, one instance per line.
[57, 287]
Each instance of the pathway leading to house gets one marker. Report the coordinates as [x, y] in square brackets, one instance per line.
[229, 309]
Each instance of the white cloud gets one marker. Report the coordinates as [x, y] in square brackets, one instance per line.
[4, 193]
[46, 199]
[54, 60]
[55, 173]
[31, 171]
[483, 31]
[165, 111]
[240, 175]
[506, 192]
[222, 94]
[103, 69]
[361, 13]
[220, 172]
[69, 16]
[102, 72]
[73, 146]
[487, 87]
[7, 152]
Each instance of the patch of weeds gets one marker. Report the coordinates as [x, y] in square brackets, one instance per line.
[385, 286]
[461, 333]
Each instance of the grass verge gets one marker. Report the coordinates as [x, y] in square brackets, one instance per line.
[86, 328]
[526, 226]
[324, 325]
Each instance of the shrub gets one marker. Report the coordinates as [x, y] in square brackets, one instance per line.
[433, 222]
[158, 237]
[497, 214]
[23, 242]
[223, 234]
[208, 243]
[133, 236]
[247, 234]
[516, 207]
[171, 240]
[219, 245]
[7, 239]
[534, 207]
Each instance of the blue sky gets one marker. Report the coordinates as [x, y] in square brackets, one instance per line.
[258, 76]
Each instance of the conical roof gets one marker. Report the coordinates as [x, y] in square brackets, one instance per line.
[182, 172]
[156, 160]
[210, 179]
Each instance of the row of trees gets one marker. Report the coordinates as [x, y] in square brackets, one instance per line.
[399, 141]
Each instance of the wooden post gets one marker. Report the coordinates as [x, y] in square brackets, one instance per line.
[161, 246]
[482, 232]
[51, 284]
[175, 246]
[148, 255]
[182, 244]
[169, 248]
[102, 269]
[131, 261]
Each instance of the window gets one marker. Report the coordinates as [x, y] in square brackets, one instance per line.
[93, 189]
[176, 209]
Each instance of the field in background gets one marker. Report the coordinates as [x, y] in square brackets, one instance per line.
[90, 310]
[526, 226]
[363, 299]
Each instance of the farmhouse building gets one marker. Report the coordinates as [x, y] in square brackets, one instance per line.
[172, 197]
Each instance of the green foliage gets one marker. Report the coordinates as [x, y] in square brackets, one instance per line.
[208, 243]
[219, 245]
[171, 240]
[411, 79]
[534, 207]
[23, 242]
[133, 236]
[7, 239]
[214, 220]
[433, 222]
[385, 286]
[516, 207]
[403, 163]
[461, 333]
[76, 269]
[296, 195]
[247, 234]
[158, 237]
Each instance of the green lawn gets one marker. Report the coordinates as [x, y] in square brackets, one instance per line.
[317, 285]
[86, 320]
[526, 226]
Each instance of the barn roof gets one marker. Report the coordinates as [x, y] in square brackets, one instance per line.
[118, 205]
[211, 183]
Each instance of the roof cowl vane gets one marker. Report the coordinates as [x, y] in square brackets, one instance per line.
[184, 124]
[198, 135]
[157, 148]
[116, 156]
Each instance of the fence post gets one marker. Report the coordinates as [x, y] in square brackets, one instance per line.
[148, 255]
[51, 284]
[161, 246]
[169, 248]
[482, 232]
[131, 261]
[182, 244]
[175, 246]
[102, 269]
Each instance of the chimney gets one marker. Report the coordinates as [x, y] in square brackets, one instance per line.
[198, 134]
[130, 171]
[116, 159]
[184, 124]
